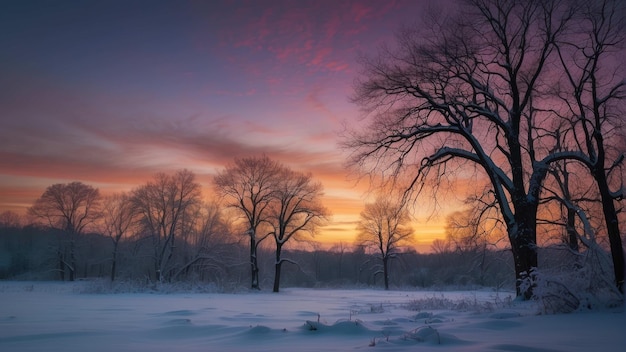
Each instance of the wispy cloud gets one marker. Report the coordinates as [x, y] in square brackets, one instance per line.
[188, 86]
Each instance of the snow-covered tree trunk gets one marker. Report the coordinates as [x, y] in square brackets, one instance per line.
[523, 239]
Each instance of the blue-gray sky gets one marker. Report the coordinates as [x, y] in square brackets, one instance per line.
[111, 92]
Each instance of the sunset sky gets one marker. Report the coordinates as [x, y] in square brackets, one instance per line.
[110, 92]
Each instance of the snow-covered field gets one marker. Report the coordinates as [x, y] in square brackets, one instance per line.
[61, 317]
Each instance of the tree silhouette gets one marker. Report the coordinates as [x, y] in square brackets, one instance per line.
[70, 208]
[165, 206]
[384, 227]
[248, 186]
[295, 209]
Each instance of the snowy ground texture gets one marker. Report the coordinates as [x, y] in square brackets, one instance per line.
[63, 317]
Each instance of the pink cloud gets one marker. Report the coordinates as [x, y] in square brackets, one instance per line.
[320, 56]
[360, 11]
[320, 35]
[337, 66]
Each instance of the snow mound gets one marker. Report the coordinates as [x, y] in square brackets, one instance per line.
[424, 334]
[341, 327]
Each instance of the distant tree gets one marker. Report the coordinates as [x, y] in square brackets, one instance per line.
[440, 246]
[165, 206]
[340, 249]
[384, 227]
[248, 186]
[119, 217]
[295, 209]
[71, 208]
[472, 233]
[476, 227]
[205, 246]
[11, 219]
[463, 233]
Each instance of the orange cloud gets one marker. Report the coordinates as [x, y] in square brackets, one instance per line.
[225, 81]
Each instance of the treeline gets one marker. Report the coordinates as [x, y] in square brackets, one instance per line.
[219, 260]
[30, 253]
[165, 231]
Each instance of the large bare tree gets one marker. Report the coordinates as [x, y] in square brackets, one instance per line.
[296, 209]
[248, 186]
[385, 227]
[70, 208]
[469, 89]
[592, 91]
[165, 206]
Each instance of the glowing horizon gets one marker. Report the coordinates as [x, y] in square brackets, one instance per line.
[110, 93]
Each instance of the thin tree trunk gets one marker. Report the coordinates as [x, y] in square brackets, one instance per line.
[612, 226]
[277, 267]
[72, 261]
[254, 268]
[572, 237]
[157, 270]
[114, 262]
[386, 271]
[61, 266]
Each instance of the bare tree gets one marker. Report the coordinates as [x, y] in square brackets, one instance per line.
[440, 246]
[70, 208]
[470, 91]
[562, 177]
[204, 247]
[295, 210]
[477, 227]
[339, 250]
[248, 186]
[473, 233]
[384, 226]
[165, 206]
[464, 233]
[593, 94]
[10, 218]
[119, 216]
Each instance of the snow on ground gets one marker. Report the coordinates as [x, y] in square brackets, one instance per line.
[59, 317]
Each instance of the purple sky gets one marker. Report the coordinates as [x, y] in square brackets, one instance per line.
[111, 92]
